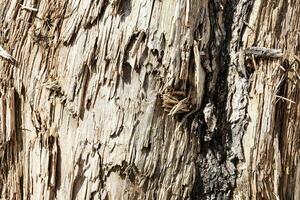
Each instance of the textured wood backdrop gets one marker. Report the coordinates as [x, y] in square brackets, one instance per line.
[149, 99]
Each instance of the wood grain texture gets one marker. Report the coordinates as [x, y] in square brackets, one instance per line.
[149, 99]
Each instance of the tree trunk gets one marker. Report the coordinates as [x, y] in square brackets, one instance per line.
[149, 99]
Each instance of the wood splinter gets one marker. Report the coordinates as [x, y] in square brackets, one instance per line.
[6, 55]
[263, 52]
[23, 7]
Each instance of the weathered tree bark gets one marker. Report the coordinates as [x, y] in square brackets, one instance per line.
[149, 99]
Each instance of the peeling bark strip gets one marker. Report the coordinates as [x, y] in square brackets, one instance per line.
[148, 99]
[263, 52]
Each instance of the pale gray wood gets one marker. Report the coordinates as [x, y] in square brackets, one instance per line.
[149, 99]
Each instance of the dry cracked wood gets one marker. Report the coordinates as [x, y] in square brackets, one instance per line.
[149, 99]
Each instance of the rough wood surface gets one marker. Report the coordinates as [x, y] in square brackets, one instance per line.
[149, 99]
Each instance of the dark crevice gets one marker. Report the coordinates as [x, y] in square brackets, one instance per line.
[124, 9]
[85, 82]
[58, 169]
[19, 138]
[282, 13]
[126, 73]
[216, 175]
